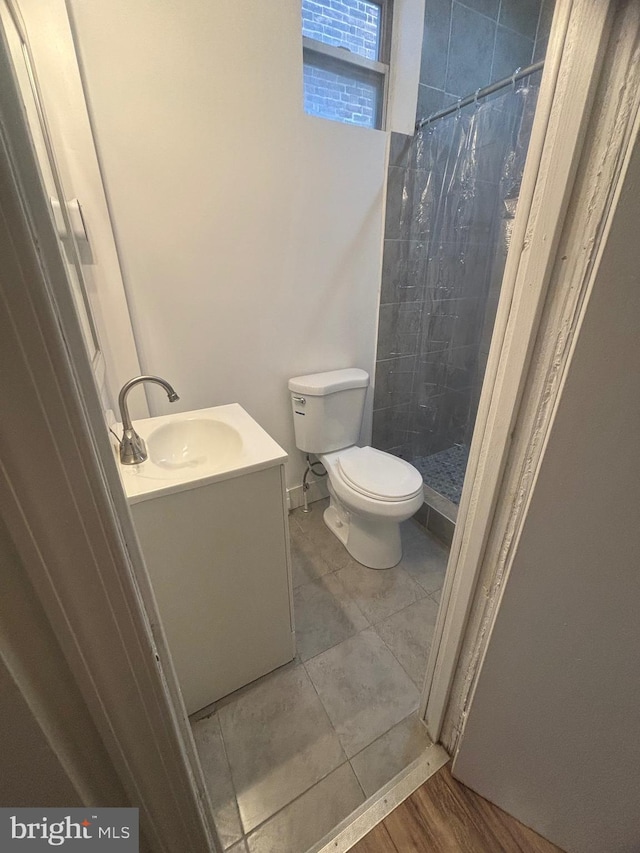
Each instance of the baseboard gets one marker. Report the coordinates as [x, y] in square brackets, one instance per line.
[317, 491]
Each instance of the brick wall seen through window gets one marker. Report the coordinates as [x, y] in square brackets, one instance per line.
[339, 86]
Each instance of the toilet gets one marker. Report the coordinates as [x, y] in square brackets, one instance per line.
[371, 492]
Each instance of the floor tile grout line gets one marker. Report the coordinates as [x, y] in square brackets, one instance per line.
[235, 695]
[344, 639]
[425, 594]
[409, 576]
[400, 610]
[348, 593]
[339, 643]
[372, 624]
[232, 780]
[300, 795]
[433, 594]
[351, 597]
[327, 564]
[246, 833]
[411, 714]
[370, 627]
[353, 770]
[419, 689]
[342, 763]
[349, 761]
[324, 708]
[428, 593]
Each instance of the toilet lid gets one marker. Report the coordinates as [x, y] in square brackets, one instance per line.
[379, 475]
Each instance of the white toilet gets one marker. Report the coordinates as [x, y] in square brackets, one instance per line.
[371, 491]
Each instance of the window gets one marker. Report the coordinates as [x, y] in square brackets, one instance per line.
[346, 59]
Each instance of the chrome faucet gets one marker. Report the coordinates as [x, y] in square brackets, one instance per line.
[132, 447]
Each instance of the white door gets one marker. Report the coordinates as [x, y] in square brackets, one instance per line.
[552, 734]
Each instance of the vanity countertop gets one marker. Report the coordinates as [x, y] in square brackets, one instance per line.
[192, 449]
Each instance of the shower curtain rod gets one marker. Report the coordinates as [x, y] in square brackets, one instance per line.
[518, 74]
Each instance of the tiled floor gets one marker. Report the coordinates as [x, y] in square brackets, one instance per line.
[291, 755]
[444, 471]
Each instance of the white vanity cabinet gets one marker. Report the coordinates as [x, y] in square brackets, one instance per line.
[218, 558]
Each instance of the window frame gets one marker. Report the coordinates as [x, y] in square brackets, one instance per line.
[349, 60]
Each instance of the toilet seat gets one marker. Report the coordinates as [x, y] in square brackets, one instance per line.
[371, 493]
[378, 475]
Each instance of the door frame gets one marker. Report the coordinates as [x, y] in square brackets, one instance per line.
[581, 132]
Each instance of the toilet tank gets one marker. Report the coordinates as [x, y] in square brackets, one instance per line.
[327, 409]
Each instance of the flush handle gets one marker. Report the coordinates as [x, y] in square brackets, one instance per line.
[300, 400]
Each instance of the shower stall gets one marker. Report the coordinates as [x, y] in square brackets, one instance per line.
[452, 195]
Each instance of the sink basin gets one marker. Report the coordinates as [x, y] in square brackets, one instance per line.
[191, 449]
[192, 442]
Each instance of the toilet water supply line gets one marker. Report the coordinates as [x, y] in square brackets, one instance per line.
[305, 484]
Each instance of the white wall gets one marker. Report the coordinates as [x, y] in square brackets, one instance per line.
[553, 732]
[51, 43]
[406, 55]
[250, 233]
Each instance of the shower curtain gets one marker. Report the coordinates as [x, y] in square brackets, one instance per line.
[460, 191]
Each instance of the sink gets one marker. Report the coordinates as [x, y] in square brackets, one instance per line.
[209, 509]
[189, 442]
[191, 449]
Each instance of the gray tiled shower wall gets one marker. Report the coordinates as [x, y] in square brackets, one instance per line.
[433, 303]
[469, 45]
[438, 307]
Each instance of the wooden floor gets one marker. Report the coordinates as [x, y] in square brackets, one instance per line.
[443, 816]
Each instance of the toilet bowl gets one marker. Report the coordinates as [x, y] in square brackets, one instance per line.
[371, 492]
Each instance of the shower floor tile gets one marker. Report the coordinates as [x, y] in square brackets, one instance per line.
[271, 753]
[444, 471]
